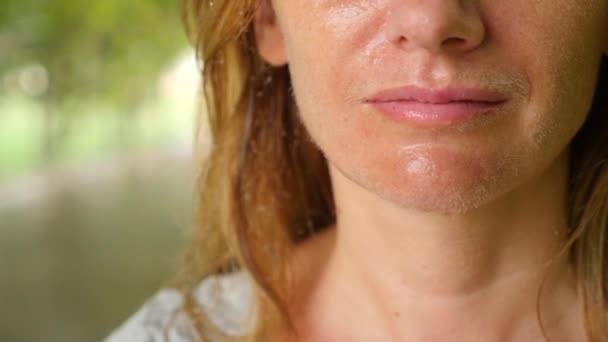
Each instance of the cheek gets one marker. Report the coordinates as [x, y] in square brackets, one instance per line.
[554, 43]
[553, 46]
[325, 48]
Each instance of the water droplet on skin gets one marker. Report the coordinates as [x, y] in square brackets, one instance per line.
[416, 162]
[419, 166]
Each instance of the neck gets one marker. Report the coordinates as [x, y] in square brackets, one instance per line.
[443, 255]
[408, 270]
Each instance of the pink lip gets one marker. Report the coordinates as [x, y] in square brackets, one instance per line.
[426, 108]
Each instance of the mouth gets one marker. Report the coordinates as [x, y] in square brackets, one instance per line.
[423, 107]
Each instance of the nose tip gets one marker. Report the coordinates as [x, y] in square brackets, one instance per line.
[435, 25]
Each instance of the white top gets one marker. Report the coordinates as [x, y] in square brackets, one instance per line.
[226, 300]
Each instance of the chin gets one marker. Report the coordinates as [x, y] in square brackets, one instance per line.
[436, 179]
[454, 200]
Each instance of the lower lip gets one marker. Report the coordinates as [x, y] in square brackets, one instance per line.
[434, 114]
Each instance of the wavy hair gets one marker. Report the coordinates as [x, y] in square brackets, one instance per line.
[264, 185]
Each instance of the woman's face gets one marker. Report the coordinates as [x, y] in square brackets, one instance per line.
[540, 56]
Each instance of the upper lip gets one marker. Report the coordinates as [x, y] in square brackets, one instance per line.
[438, 96]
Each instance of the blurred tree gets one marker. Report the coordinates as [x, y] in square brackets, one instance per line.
[108, 48]
[67, 52]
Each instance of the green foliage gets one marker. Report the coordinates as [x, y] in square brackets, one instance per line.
[110, 49]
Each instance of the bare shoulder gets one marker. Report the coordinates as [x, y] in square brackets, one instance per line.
[225, 299]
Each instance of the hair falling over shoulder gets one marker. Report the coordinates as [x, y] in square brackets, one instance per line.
[264, 185]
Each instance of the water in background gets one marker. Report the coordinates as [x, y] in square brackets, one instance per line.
[81, 249]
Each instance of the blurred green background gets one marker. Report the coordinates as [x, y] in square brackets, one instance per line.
[96, 177]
